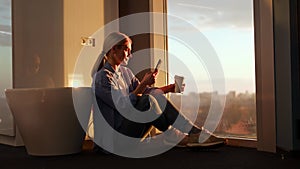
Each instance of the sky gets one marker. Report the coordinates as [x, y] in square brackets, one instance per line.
[5, 46]
[227, 26]
[5, 23]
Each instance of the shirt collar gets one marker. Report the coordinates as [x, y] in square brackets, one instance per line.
[108, 66]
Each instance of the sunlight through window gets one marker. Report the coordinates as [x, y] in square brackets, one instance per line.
[228, 27]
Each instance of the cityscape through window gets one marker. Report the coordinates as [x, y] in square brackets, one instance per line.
[227, 26]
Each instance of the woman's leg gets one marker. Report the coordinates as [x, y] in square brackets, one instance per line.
[135, 129]
[171, 116]
[167, 115]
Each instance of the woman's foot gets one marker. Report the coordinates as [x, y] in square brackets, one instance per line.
[176, 138]
[196, 138]
[205, 139]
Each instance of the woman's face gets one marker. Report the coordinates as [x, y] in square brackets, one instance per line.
[122, 53]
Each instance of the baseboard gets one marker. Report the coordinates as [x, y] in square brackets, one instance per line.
[242, 142]
[11, 140]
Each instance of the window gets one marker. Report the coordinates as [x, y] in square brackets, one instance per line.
[228, 27]
[6, 119]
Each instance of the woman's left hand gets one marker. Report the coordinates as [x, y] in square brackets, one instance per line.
[181, 88]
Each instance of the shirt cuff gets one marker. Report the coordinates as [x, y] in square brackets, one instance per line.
[132, 98]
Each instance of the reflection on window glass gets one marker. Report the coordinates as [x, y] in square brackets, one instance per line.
[228, 27]
[6, 120]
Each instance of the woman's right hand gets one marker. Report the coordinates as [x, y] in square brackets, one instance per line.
[149, 78]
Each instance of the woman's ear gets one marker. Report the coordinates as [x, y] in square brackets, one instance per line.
[109, 52]
[114, 48]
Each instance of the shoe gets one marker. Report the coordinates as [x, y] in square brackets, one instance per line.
[211, 141]
[182, 143]
[171, 138]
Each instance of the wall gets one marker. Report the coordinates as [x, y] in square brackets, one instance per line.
[82, 19]
[158, 42]
[148, 42]
[53, 30]
[141, 41]
[38, 29]
[297, 79]
[287, 73]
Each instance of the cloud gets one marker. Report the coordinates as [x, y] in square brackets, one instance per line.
[207, 14]
[5, 35]
[5, 3]
[5, 11]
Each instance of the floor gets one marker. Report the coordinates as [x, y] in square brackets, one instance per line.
[176, 158]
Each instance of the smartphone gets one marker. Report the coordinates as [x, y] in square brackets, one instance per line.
[157, 65]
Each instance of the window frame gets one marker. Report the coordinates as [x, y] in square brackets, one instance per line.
[264, 72]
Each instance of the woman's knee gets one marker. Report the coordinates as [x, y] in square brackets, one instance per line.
[143, 103]
[155, 105]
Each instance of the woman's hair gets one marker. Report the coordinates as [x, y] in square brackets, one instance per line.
[113, 39]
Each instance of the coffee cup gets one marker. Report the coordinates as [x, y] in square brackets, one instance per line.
[178, 83]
